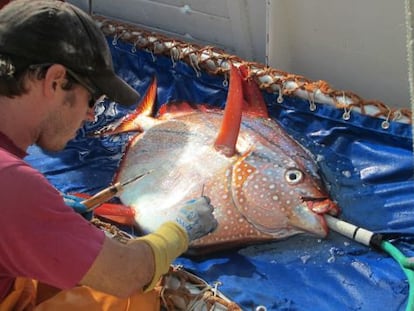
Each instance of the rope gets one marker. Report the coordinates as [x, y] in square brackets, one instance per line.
[217, 62]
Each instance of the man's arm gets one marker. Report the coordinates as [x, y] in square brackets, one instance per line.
[121, 269]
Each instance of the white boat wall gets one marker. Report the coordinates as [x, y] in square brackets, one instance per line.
[355, 45]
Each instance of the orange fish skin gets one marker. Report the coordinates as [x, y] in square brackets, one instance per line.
[267, 188]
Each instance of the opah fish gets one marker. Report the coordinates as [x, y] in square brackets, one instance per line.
[263, 184]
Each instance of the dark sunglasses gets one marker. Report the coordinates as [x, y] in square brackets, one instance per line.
[96, 96]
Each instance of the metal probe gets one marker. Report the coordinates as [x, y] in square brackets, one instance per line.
[108, 193]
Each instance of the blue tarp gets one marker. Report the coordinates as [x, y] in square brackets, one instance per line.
[368, 171]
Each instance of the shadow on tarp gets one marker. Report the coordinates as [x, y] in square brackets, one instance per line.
[368, 171]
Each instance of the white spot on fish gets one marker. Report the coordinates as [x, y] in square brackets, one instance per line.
[272, 186]
[275, 198]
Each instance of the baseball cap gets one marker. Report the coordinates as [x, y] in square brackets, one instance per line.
[51, 31]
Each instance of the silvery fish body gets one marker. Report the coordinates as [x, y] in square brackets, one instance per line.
[267, 189]
[259, 194]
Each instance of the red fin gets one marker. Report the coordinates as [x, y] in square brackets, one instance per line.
[145, 108]
[254, 101]
[229, 131]
[119, 213]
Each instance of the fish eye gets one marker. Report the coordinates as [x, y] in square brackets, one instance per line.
[293, 176]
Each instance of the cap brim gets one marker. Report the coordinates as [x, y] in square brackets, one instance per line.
[116, 89]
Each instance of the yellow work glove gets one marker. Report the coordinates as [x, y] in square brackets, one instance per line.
[192, 221]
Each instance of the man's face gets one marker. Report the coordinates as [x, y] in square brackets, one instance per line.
[67, 117]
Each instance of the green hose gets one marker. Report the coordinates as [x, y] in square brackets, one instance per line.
[407, 264]
[370, 238]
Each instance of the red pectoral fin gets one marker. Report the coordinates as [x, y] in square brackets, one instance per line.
[119, 213]
[254, 101]
[229, 131]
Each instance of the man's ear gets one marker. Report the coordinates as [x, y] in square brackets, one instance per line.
[55, 76]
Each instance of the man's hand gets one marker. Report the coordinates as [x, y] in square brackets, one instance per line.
[196, 217]
[76, 203]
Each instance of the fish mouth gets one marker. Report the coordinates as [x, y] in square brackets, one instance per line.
[309, 216]
[321, 205]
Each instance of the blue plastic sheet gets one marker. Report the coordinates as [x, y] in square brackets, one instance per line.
[368, 171]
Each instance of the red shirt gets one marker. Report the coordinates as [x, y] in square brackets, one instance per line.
[40, 237]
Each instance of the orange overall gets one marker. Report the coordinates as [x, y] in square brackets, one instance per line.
[167, 243]
[24, 297]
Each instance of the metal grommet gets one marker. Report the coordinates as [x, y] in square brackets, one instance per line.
[347, 112]
[311, 99]
[386, 123]
[279, 98]
[346, 115]
[226, 80]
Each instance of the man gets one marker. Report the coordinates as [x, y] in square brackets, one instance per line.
[54, 65]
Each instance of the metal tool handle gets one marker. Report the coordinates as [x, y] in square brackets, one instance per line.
[108, 193]
[102, 196]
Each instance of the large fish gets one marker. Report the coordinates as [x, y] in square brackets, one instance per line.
[264, 186]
